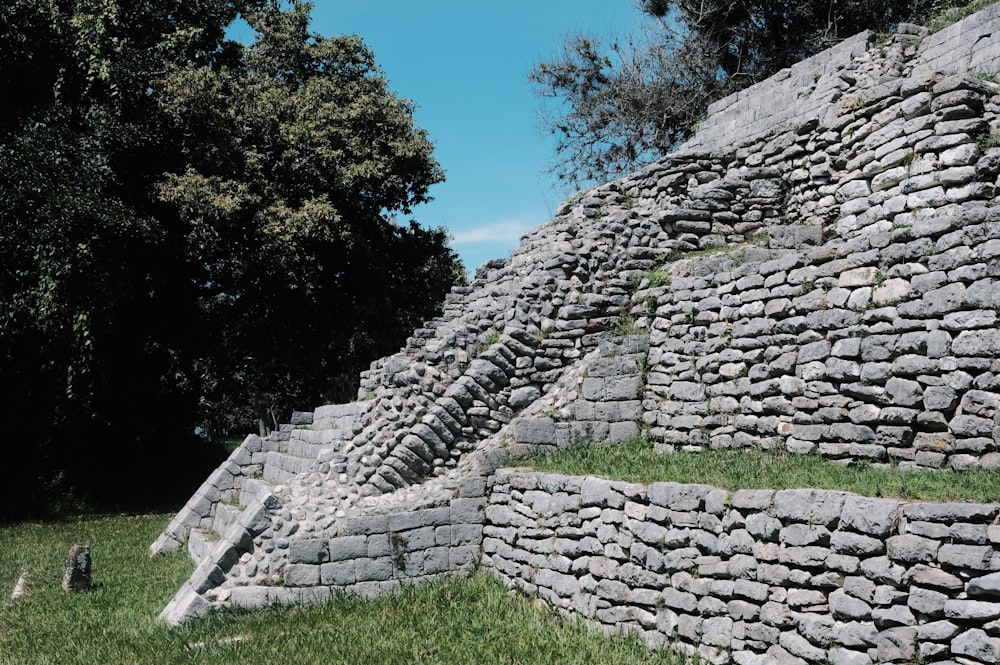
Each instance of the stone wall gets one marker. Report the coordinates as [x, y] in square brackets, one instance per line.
[400, 542]
[809, 90]
[826, 282]
[755, 576]
[970, 45]
[862, 324]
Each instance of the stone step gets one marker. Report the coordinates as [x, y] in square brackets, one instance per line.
[254, 488]
[325, 437]
[199, 545]
[302, 449]
[339, 416]
[225, 516]
[306, 450]
[282, 467]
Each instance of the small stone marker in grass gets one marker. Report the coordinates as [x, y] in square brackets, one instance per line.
[77, 576]
[21, 586]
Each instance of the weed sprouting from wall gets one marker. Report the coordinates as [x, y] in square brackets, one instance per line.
[397, 545]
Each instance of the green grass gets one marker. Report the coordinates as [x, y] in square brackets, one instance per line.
[747, 468]
[657, 278]
[954, 11]
[627, 325]
[474, 620]
[988, 140]
[114, 623]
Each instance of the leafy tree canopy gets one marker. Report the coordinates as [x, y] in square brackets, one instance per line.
[615, 103]
[195, 233]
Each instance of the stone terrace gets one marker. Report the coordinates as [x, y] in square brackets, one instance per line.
[822, 277]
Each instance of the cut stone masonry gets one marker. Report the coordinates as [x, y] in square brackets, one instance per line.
[815, 271]
[754, 576]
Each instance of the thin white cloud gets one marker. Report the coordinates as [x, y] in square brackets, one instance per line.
[508, 231]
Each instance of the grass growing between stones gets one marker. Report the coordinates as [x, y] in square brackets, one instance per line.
[953, 11]
[473, 620]
[636, 461]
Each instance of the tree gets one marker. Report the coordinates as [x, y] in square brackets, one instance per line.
[192, 228]
[289, 216]
[613, 104]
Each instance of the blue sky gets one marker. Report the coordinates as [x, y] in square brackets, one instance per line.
[465, 63]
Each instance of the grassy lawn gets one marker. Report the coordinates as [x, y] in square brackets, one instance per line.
[747, 468]
[472, 620]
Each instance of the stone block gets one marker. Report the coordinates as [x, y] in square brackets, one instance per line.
[923, 575]
[300, 575]
[434, 561]
[869, 516]
[797, 535]
[523, 397]
[971, 610]
[472, 487]
[897, 644]
[372, 569]
[534, 431]
[467, 511]
[977, 343]
[799, 646]
[419, 539]
[371, 524]
[594, 389]
[848, 608]
[860, 588]
[842, 656]
[420, 518]
[309, 551]
[854, 544]
[678, 497]
[185, 605]
[346, 548]
[255, 519]
[686, 391]
[892, 615]
[950, 512]
[465, 557]
[623, 431]
[679, 600]
[904, 392]
[338, 573]
[926, 602]
[753, 499]
[250, 597]
[822, 507]
[717, 631]
[910, 548]
[77, 573]
[985, 585]
[881, 569]
[975, 557]
[976, 644]
[804, 557]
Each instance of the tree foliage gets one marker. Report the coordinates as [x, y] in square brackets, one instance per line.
[194, 233]
[615, 103]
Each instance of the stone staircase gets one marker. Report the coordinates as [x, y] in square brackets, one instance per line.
[247, 477]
